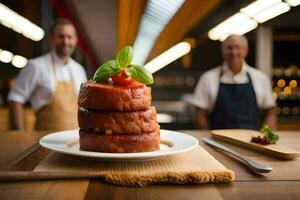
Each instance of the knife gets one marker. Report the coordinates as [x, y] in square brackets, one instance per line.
[253, 165]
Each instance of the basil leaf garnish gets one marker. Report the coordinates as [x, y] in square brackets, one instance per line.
[141, 74]
[124, 56]
[123, 60]
[106, 71]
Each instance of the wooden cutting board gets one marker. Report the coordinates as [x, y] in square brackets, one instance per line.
[242, 137]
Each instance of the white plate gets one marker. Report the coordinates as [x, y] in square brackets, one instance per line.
[172, 142]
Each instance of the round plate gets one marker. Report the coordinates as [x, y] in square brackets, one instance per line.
[67, 142]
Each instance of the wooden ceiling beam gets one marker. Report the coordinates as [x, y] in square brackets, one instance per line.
[130, 13]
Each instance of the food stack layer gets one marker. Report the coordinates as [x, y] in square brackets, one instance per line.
[117, 119]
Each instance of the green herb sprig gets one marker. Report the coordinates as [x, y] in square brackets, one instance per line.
[123, 61]
[268, 133]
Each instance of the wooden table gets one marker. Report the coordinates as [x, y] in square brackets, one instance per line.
[19, 151]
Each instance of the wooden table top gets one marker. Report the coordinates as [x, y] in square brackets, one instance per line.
[20, 151]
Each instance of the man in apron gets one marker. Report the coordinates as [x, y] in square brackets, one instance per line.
[234, 95]
[51, 83]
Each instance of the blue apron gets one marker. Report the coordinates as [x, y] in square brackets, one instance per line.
[235, 107]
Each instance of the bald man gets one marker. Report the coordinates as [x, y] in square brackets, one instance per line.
[234, 95]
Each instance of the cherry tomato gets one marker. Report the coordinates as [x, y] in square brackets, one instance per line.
[122, 79]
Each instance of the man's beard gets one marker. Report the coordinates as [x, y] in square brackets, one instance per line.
[60, 52]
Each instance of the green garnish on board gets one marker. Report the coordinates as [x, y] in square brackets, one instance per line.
[269, 136]
[123, 62]
[273, 137]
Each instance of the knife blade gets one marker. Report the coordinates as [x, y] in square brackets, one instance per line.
[253, 165]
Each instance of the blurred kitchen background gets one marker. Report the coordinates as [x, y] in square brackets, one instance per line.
[183, 36]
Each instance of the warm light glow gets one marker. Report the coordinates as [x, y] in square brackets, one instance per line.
[281, 83]
[287, 90]
[293, 2]
[18, 23]
[19, 61]
[168, 56]
[258, 6]
[272, 12]
[5, 56]
[293, 84]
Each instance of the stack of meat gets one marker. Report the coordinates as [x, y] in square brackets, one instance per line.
[117, 119]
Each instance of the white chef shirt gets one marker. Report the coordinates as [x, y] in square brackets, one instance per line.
[206, 90]
[36, 82]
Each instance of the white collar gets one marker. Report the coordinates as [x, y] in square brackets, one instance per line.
[225, 69]
[229, 77]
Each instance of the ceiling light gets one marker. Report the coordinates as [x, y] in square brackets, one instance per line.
[168, 56]
[293, 2]
[16, 60]
[5, 56]
[18, 23]
[241, 29]
[272, 12]
[226, 26]
[258, 6]
[248, 18]
[19, 61]
[157, 15]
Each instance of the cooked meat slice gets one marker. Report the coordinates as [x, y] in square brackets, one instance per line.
[91, 141]
[105, 96]
[118, 122]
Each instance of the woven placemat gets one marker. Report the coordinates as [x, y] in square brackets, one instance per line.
[192, 167]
